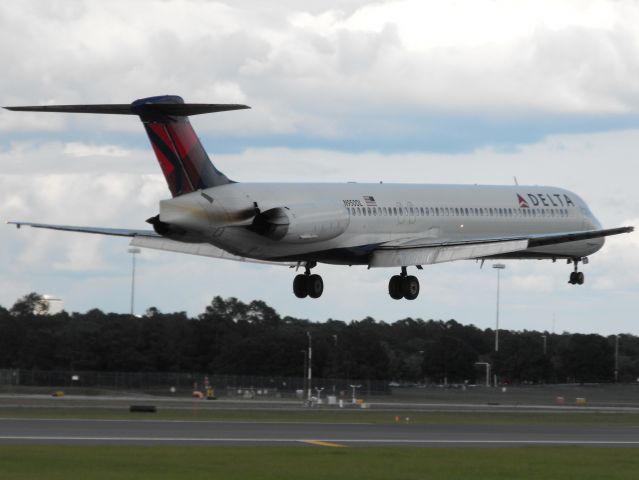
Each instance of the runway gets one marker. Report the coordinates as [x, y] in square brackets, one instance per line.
[153, 432]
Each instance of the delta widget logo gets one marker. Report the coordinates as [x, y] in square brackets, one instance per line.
[544, 200]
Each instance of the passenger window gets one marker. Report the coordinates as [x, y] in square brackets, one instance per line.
[466, 210]
[359, 212]
[411, 210]
[401, 213]
[421, 211]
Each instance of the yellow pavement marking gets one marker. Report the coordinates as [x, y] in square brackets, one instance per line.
[323, 444]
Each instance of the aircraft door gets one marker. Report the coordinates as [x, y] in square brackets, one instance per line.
[400, 213]
[412, 213]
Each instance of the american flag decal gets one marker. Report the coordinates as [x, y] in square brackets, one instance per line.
[369, 201]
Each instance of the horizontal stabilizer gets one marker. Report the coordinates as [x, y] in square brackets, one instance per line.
[171, 109]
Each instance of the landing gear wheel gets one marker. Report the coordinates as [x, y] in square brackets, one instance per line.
[576, 277]
[395, 287]
[410, 287]
[573, 278]
[315, 286]
[300, 286]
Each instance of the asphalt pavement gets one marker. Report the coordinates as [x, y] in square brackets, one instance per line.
[153, 432]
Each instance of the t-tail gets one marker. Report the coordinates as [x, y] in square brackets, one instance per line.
[184, 162]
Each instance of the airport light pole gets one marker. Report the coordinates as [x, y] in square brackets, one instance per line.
[499, 267]
[304, 371]
[310, 356]
[133, 251]
[355, 387]
[487, 366]
[616, 358]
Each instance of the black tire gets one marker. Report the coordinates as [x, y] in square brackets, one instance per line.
[300, 286]
[395, 287]
[410, 287]
[315, 286]
[580, 278]
[573, 278]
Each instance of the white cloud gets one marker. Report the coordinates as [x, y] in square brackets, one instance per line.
[307, 68]
[315, 71]
[79, 149]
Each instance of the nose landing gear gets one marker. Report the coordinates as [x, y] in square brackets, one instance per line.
[307, 285]
[577, 277]
[403, 286]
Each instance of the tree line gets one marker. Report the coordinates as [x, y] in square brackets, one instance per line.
[232, 337]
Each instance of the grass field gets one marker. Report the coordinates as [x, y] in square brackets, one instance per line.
[332, 416]
[309, 463]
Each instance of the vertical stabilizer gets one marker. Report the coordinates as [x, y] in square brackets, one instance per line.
[184, 162]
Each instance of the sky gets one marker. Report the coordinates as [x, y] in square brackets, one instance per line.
[405, 91]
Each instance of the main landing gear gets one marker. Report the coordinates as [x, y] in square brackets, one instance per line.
[403, 286]
[577, 277]
[307, 285]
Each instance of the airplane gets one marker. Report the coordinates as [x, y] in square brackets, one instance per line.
[305, 224]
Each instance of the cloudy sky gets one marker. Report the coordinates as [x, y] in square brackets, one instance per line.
[400, 91]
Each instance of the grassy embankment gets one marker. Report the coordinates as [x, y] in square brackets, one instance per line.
[309, 463]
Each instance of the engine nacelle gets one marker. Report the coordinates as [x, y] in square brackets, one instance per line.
[302, 223]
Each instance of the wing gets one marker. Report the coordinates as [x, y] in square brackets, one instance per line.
[425, 251]
[117, 232]
[150, 239]
[202, 249]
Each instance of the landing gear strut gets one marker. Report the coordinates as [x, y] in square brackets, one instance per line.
[307, 285]
[403, 286]
[577, 277]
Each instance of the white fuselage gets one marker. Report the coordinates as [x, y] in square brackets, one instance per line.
[343, 223]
